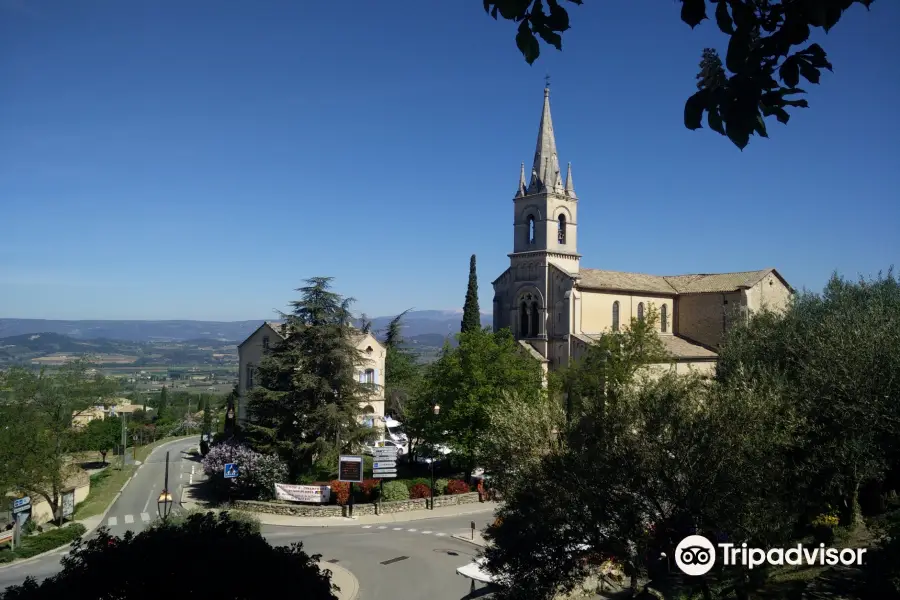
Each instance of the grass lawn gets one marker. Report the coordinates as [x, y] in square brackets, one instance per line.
[107, 483]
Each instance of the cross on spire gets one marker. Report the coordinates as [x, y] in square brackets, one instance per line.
[547, 79]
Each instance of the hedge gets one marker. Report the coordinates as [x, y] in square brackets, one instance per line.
[44, 542]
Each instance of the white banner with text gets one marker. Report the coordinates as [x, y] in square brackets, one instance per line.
[319, 494]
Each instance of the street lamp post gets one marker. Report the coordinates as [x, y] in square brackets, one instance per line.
[164, 503]
[437, 411]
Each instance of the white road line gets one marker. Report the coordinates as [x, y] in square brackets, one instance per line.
[147, 503]
[440, 534]
[145, 517]
[191, 482]
[382, 527]
[192, 469]
[398, 529]
[112, 522]
[179, 475]
[129, 519]
[411, 530]
[367, 527]
[425, 532]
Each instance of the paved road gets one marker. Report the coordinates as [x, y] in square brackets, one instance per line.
[137, 506]
[400, 561]
[134, 509]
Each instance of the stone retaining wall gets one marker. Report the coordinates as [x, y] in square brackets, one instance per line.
[332, 510]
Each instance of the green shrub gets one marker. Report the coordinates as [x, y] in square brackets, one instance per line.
[440, 487]
[394, 491]
[236, 515]
[44, 542]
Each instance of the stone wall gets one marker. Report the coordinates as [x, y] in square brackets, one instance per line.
[332, 510]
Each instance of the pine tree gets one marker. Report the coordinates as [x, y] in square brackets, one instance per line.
[471, 314]
[308, 399]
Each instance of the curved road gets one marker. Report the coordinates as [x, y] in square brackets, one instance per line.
[134, 509]
[395, 561]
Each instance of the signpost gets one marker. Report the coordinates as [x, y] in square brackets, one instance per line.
[21, 504]
[350, 469]
[385, 464]
[231, 470]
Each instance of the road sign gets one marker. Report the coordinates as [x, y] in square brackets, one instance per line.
[384, 474]
[231, 470]
[21, 504]
[384, 464]
[350, 469]
[387, 450]
[386, 456]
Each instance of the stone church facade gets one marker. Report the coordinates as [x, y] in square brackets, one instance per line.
[556, 308]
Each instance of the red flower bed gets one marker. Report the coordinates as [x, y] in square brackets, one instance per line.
[457, 486]
[368, 488]
[341, 491]
[420, 490]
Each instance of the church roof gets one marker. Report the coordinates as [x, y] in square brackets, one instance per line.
[672, 284]
[679, 347]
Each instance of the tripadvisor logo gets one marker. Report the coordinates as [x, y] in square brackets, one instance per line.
[696, 555]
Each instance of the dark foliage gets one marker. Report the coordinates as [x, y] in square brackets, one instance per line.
[740, 94]
[208, 556]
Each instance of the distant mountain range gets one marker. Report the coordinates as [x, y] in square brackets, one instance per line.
[421, 327]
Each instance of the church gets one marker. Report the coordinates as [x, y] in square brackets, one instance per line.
[556, 308]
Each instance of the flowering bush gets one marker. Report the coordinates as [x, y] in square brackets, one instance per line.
[440, 487]
[369, 487]
[826, 520]
[258, 473]
[419, 490]
[457, 486]
[341, 491]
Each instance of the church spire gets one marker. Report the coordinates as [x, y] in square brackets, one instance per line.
[570, 186]
[521, 191]
[545, 172]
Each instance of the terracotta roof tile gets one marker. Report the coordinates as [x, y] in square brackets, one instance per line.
[669, 284]
[677, 346]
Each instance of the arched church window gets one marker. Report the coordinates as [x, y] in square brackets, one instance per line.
[531, 229]
[664, 318]
[562, 229]
[615, 316]
[535, 323]
[640, 311]
[523, 319]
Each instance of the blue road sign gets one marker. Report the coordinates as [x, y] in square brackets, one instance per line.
[231, 470]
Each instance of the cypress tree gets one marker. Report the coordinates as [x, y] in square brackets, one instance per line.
[471, 320]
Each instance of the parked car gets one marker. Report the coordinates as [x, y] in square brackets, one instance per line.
[369, 447]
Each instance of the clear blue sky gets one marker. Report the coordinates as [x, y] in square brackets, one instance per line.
[172, 159]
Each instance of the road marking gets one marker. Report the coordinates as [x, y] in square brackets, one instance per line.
[113, 521]
[440, 534]
[192, 469]
[382, 527]
[179, 475]
[145, 517]
[411, 530]
[367, 527]
[129, 519]
[398, 529]
[425, 532]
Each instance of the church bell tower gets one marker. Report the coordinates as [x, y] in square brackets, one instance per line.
[546, 208]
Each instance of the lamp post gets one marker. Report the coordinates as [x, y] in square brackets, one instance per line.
[437, 411]
[164, 502]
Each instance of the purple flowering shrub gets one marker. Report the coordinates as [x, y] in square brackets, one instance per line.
[258, 473]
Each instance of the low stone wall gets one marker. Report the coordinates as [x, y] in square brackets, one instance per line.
[285, 508]
[455, 499]
[331, 510]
